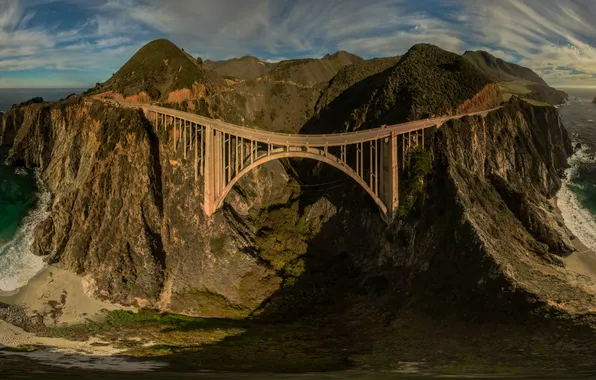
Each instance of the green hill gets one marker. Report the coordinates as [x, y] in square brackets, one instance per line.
[426, 81]
[242, 68]
[308, 72]
[515, 79]
[159, 68]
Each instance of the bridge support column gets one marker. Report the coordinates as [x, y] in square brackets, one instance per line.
[210, 171]
[390, 185]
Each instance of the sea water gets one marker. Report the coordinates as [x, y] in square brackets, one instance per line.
[23, 205]
[24, 202]
[577, 197]
[10, 96]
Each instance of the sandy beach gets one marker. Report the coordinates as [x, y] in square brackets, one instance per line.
[64, 290]
[54, 288]
[583, 260]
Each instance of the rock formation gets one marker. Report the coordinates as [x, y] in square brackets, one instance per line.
[478, 237]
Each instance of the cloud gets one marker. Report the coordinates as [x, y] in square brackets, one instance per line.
[97, 36]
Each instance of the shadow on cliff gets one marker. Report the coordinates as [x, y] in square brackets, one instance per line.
[319, 319]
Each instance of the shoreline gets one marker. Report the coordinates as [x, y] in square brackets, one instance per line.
[576, 221]
[63, 289]
[57, 297]
[583, 259]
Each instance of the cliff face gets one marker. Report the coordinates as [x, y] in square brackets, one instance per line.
[485, 238]
[126, 214]
[480, 237]
[9, 124]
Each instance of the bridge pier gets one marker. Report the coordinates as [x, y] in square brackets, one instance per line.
[209, 172]
[389, 193]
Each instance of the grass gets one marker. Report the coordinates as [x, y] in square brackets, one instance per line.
[22, 348]
[414, 179]
[537, 102]
[158, 68]
[124, 326]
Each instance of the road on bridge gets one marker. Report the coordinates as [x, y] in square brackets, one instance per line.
[313, 140]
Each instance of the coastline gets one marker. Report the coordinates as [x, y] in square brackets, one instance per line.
[63, 289]
[579, 224]
[57, 289]
[583, 260]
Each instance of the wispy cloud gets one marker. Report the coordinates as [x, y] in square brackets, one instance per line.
[95, 37]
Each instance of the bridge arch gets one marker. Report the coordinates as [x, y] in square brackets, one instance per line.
[310, 153]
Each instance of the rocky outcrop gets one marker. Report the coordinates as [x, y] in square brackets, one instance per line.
[479, 238]
[126, 214]
[9, 124]
[546, 94]
[492, 179]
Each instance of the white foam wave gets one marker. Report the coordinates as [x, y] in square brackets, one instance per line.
[581, 222]
[17, 262]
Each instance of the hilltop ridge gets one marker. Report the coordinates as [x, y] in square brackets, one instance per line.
[427, 81]
[515, 79]
[157, 69]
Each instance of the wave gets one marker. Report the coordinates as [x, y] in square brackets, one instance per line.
[18, 264]
[580, 221]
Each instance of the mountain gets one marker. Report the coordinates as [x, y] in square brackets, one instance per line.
[515, 79]
[242, 68]
[477, 244]
[425, 82]
[308, 72]
[157, 69]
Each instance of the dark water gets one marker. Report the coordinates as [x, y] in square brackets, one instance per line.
[22, 204]
[17, 196]
[10, 96]
[577, 199]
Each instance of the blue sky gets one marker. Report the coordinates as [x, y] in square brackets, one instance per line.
[75, 43]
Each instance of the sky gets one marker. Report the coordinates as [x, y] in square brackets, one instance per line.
[76, 43]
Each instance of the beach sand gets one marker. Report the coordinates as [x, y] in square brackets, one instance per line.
[583, 261]
[65, 290]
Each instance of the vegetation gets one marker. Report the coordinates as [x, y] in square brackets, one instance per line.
[425, 82]
[124, 325]
[413, 182]
[93, 90]
[34, 100]
[429, 81]
[158, 68]
[515, 79]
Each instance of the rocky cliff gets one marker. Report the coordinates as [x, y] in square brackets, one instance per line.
[479, 236]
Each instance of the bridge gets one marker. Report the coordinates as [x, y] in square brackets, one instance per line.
[223, 153]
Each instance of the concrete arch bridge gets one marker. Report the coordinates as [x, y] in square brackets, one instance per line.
[222, 153]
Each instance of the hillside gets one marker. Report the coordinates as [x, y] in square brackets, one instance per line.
[349, 75]
[308, 72]
[242, 68]
[427, 81]
[515, 79]
[159, 68]
[470, 275]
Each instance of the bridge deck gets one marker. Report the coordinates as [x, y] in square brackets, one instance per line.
[314, 140]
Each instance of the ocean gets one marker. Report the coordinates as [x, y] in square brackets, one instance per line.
[577, 198]
[23, 202]
[10, 96]
[23, 205]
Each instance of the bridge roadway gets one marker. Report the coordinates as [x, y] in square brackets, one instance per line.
[311, 140]
[224, 152]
